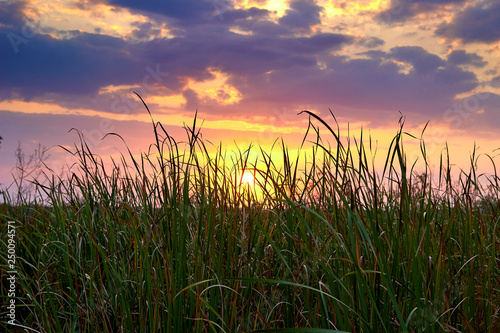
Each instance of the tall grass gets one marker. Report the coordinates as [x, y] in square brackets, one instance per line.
[173, 241]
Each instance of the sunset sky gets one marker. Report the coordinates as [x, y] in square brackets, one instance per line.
[248, 67]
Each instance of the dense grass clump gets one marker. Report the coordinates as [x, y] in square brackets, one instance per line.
[174, 242]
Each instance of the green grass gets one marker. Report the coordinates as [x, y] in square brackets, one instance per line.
[172, 242]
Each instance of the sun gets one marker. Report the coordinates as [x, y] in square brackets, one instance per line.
[248, 178]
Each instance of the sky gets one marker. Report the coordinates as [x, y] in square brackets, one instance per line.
[247, 67]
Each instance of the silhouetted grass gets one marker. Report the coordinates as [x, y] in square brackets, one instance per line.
[173, 242]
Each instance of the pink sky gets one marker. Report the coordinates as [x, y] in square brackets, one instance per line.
[248, 67]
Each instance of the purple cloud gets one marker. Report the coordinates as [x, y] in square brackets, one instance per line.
[83, 64]
[11, 13]
[423, 61]
[267, 68]
[461, 57]
[479, 23]
[79, 65]
[402, 10]
[302, 14]
[184, 10]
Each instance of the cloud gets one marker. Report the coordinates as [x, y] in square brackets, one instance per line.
[422, 61]
[182, 15]
[231, 16]
[79, 65]
[360, 87]
[491, 106]
[402, 10]
[371, 42]
[267, 68]
[83, 63]
[461, 57]
[185, 10]
[11, 13]
[479, 23]
[478, 111]
[263, 27]
[303, 14]
[279, 70]
[192, 99]
[145, 31]
[495, 82]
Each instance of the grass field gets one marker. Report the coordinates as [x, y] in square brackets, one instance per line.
[174, 241]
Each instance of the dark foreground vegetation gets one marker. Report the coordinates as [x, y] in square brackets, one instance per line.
[173, 241]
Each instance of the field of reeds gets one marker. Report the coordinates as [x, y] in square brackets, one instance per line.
[174, 241]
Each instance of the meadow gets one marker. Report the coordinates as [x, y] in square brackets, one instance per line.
[176, 241]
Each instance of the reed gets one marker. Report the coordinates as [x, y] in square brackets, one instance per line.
[171, 241]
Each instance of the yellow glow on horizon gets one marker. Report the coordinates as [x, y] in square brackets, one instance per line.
[171, 118]
[113, 88]
[49, 108]
[171, 102]
[252, 127]
[436, 136]
[174, 101]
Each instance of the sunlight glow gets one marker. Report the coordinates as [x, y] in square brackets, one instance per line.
[248, 178]
[277, 6]
[216, 88]
[353, 8]
[57, 17]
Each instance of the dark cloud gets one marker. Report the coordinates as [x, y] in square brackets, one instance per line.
[264, 27]
[422, 61]
[189, 13]
[258, 54]
[495, 82]
[364, 86]
[438, 2]
[402, 10]
[302, 14]
[478, 111]
[83, 63]
[479, 23]
[79, 65]
[371, 42]
[317, 43]
[145, 30]
[231, 16]
[491, 106]
[265, 67]
[460, 57]
[192, 100]
[11, 13]
[374, 54]
[186, 10]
